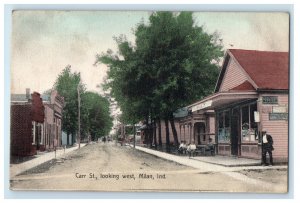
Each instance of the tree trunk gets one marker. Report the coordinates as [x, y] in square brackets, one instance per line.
[147, 136]
[167, 134]
[159, 133]
[68, 137]
[151, 134]
[174, 131]
[154, 134]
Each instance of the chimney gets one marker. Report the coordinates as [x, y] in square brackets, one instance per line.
[27, 93]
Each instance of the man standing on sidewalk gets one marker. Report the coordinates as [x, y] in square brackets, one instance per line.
[267, 147]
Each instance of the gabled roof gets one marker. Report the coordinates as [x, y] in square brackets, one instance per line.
[268, 70]
[244, 86]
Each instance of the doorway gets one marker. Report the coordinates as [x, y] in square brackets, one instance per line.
[235, 129]
[200, 132]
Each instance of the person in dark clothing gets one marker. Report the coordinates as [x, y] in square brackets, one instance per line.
[267, 147]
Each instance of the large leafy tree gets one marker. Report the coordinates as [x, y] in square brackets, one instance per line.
[172, 63]
[96, 119]
[66, 84]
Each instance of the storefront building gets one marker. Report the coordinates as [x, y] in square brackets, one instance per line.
[251, 95]
[27, 117]
[198, 126]
[52, 133]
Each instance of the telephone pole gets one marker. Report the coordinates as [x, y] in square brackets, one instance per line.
[78, 136]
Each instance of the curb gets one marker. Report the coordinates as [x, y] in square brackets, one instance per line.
[214, 165]
[16, 169]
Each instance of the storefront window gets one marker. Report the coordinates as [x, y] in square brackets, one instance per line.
[221, 119]
[249, 127]
[224, 126]
[253, 124]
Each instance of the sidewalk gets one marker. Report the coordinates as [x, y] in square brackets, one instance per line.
[16, 169]
[212, 163]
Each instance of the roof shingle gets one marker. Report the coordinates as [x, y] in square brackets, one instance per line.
[269, 70]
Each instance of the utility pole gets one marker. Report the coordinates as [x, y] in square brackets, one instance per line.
[78, 136]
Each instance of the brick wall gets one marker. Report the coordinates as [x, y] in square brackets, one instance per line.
[21, 130]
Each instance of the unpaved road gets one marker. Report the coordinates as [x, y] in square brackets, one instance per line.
[107, 167]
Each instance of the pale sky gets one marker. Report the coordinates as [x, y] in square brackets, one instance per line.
[45, 42]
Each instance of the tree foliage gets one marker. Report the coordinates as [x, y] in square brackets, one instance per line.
[66, 84]
[172, 63]
[95, 117]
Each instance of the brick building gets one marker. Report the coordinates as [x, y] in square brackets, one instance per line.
[35, 122]
[27, 116]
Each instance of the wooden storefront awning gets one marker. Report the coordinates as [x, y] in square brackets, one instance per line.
[222, 98]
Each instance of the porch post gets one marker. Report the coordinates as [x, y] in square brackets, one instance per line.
[193, 133]
[180, 133]
[191, 129]
[184, 132]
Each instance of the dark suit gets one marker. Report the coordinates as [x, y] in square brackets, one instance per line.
[267, 148]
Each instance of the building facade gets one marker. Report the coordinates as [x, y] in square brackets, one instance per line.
[197, 127]
[52, 133]
[27, 117]
[35, 122]
[251, 95]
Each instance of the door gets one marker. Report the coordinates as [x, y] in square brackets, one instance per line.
[234, 135]
[200, 132]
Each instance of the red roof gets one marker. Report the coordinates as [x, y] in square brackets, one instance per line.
[269, 70]
[244, 86]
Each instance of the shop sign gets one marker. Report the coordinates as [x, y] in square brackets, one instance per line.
[278, 116]
[202, 105]
[270, 100]
[279, 109]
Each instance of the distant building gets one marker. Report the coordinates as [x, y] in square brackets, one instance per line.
[52, 133]
[149, 133]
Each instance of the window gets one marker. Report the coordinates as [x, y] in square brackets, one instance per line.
[33, 132]
[224, 126]
[249, 127]
[42, 134]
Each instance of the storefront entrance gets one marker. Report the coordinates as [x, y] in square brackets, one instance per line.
[235, 143]
[200, 133]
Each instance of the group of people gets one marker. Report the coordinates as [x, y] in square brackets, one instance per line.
[184, 148]
[267, 148]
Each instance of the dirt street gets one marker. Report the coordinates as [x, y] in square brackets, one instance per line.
[107, 167]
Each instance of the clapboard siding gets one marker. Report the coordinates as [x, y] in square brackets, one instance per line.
[234, 76]
[277, 128]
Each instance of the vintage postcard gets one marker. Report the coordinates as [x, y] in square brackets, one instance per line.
[149, 101]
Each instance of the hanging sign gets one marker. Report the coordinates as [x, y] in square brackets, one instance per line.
[256, 116]
[202, 105]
